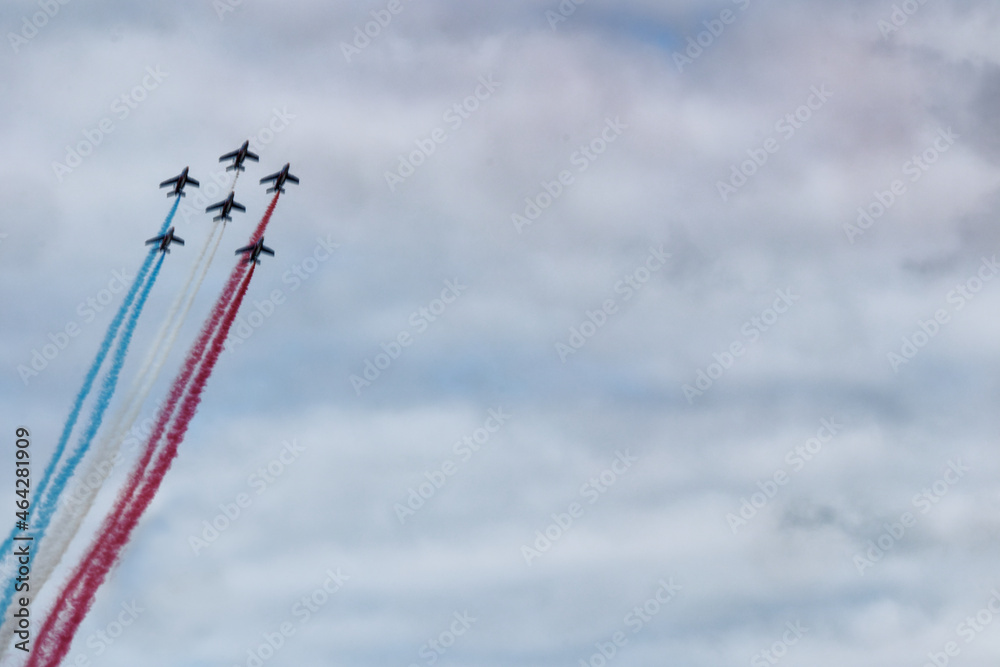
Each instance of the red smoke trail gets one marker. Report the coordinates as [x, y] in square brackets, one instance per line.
[185, 414]
[57, 633]
[195, 356]
[259, 232]
[69, 610]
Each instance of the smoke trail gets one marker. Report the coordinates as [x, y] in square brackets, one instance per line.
[195, 355]
[77, 596]
[89, 379]
[47, 505]
[163, 418]
[259, 232]
[68, 521]
[154, 350]
[187, 306]
[191, 363]
[160, 351]
[56, 635]
[185, 414]
[54, 621]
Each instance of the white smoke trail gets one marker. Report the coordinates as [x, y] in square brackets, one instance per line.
[172, 336]
[102, 459]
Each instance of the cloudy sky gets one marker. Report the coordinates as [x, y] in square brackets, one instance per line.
[634, 332]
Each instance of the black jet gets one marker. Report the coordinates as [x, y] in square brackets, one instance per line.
[226, 206]
[179, 182]
[279, 178]
[238, 156]
[165, 240]
[254, 251]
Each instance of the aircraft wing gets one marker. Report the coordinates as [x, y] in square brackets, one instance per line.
[229, 156]
[193, 182]
[215, 206]
[272, 177]
[178, 240]
[267, 251]
[289, 178]
[240, 207]
[245, 249]
[170, 181]
[156, 239]
[253, 156]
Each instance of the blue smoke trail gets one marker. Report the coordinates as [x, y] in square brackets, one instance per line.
[47, 506]
[88, 382]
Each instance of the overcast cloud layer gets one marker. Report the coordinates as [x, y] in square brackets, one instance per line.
[725, 271]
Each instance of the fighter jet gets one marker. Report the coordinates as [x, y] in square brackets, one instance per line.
[238, 155]
[255, 250]
[279, 178]
[165, 240]
[179, 182]
[226, 206]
